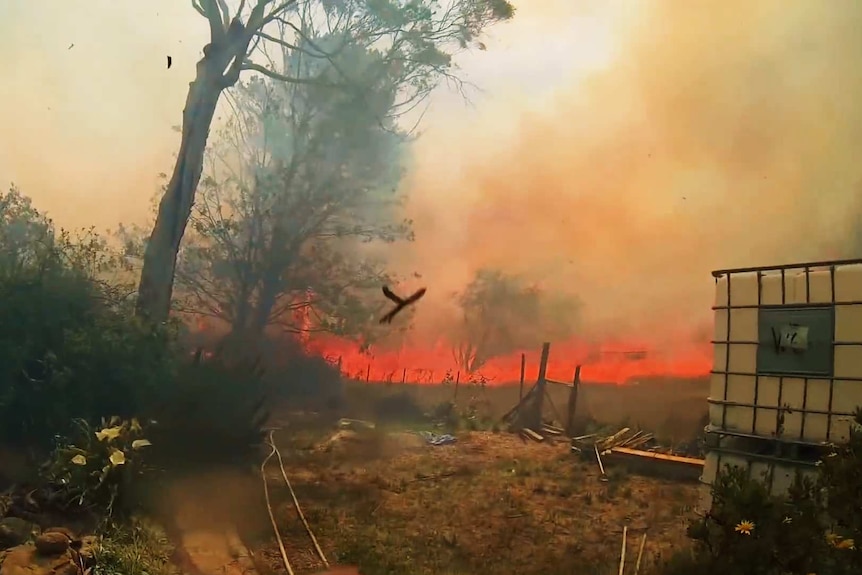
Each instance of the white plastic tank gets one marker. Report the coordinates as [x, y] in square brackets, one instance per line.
[787, 368]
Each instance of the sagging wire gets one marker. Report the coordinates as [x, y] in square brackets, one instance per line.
[281, 548]
[275, 451]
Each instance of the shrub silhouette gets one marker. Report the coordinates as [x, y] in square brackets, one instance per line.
[811, 529]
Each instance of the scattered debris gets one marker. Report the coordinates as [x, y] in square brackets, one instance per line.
[655, 463]
[623, 551]
[603, 477]
[355, 423]
[639, 451]
[530, 434]
[434, 439]
[640, 554]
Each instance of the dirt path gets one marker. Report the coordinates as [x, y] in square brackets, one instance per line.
[207, 512]
[211, 550]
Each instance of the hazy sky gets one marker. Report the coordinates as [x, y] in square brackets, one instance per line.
[87, 103]
[620, 149]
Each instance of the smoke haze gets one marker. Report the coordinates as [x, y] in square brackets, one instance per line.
[712, 139]
[619, 151]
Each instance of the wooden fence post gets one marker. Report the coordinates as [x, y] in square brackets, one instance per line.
[573, 403]
[368, 373]
[523, 368]
[404, 376]
[536, 419]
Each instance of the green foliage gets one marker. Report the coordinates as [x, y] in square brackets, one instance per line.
[72, 351]
[316, 164]
[503, 313]
[94, 468]
[473, 414]
[812, 529]
[137, 547]
[69, 348]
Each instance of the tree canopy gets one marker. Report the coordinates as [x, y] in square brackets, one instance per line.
[503, 313]
[380, 59]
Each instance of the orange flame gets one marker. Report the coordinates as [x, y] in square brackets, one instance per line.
[615, 362]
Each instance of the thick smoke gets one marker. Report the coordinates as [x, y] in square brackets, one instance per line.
[714, 135]
[717, 137]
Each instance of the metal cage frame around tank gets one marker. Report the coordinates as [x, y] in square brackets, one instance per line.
[806, 268]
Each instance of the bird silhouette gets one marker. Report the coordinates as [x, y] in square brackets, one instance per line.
[399, 303]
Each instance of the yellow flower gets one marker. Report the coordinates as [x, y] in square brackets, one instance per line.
[117, 457]
[109, 433]
[139, 443]
[79, 460]
[135, 425]
[745, 527]
[832, 538]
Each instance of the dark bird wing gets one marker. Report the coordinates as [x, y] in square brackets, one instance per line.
[388, 293]
[389, 316]
[416, 296]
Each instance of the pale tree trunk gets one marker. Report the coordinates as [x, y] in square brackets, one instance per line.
[160, 257]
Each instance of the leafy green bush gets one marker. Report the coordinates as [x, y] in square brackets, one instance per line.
[96, 467]
[811, 529]
[70, 347]
[72, 351]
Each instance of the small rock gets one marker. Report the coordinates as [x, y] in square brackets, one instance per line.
[52, 543]
[24, 560]
[64, 530]
[15, 531]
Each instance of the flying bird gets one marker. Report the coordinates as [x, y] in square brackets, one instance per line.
[399, 303]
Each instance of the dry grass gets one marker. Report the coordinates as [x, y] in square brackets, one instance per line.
[673, 409]
[488, 504]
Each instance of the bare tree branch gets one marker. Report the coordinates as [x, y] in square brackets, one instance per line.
[210, 10]
[288, 79]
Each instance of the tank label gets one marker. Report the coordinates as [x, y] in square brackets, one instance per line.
[795, 341]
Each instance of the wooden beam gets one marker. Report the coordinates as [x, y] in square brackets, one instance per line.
[532, 434]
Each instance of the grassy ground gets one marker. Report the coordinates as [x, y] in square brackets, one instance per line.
[673, 409]
[140, 547]
[386, 501]
[490, 503]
